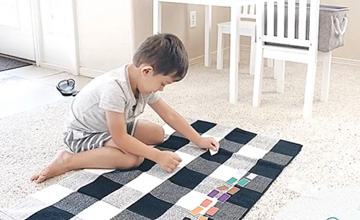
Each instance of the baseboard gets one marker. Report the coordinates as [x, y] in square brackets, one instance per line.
[350, 62]
[200, 59]
[82, 71]
[90, 72]
[55, 67]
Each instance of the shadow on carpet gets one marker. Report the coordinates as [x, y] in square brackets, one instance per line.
[222, 186]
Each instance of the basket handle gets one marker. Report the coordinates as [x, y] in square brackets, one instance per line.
[338, 30]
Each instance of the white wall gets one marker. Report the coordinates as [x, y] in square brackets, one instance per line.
[105, 34]
[175, 19]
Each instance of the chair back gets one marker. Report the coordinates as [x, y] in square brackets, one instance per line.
[293, 23]
[248, 11]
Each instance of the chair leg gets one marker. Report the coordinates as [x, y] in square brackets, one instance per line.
[252, 53]
[279, 71]
[309, 88]
[220, 50]
[270, 63]
[326, 77]
[258, 75]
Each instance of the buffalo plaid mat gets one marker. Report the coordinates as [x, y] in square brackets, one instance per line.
[221, 186]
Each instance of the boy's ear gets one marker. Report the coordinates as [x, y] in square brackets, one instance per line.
[147, 69]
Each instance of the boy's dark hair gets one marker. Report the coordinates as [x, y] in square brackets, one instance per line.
[165, 53]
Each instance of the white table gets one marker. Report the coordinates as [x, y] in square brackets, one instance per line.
[234, 35]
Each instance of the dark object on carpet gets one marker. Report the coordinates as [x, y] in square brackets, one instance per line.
[8, 63]
[66, 87]
[252, 162]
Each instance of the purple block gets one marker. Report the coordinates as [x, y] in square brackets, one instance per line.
[224, 197]
[213, 193]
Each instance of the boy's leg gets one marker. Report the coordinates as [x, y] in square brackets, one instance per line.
[108, 156]
[103, 157]
[148, 132]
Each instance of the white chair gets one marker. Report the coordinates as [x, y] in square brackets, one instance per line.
[247, 28]
[293, 45]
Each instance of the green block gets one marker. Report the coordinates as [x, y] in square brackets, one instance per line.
[243, 182]
[232, 180]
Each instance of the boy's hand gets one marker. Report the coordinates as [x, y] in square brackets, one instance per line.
[168, 160]
[208, 143]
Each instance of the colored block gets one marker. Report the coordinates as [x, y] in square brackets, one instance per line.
[196, 210]
[202, 218]
[243, 182]
[251, 176]
[222, 188]
[233, 190]
[213, 193]
[206, 203]
[212, 211]
[232, 180]
[224, 197]
[212, 152]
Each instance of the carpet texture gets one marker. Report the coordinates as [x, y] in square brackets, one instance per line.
[329, 157]
[243, 169]
[8, 64]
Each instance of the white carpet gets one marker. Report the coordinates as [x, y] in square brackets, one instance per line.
[329, 157]
[330, 204]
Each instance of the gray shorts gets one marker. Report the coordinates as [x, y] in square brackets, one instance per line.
[79, 141]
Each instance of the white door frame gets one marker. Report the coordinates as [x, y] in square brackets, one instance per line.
[36, 29]
[38, 41]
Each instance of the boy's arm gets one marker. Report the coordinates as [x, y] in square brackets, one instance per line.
[177, 122]
[117, 127]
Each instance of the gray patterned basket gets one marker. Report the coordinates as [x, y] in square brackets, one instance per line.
[332, 26]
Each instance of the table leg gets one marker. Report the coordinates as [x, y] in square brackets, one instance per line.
[156, 17]
[234, 53]
[208, 21]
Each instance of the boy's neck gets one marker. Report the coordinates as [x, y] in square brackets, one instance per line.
[134, 74]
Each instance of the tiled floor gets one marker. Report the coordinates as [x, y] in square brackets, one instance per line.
[28, 87]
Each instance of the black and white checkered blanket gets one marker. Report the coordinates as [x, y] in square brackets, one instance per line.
[204, 186]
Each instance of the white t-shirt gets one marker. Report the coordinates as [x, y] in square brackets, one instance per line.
[110, 91]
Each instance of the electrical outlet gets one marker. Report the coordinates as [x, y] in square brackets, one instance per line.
[192, 19]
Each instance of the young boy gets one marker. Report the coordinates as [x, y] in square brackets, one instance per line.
[102, 129]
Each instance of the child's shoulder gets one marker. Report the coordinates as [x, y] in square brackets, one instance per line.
[117, 74]
[112, 80]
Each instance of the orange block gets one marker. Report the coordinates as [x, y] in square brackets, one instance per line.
[233, 190]
[202, 218]
[196, 210]
[206, 203]
[212, 211]
[222, 188]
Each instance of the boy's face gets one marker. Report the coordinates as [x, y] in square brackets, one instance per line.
[152, 83]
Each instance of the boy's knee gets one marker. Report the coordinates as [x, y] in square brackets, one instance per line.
[159, 138]
[139, 161]
[156, 136]
[134, 161]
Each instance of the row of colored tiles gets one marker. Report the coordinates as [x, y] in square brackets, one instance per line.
[227, 192]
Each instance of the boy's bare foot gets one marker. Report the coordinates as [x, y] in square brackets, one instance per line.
[56, 167]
